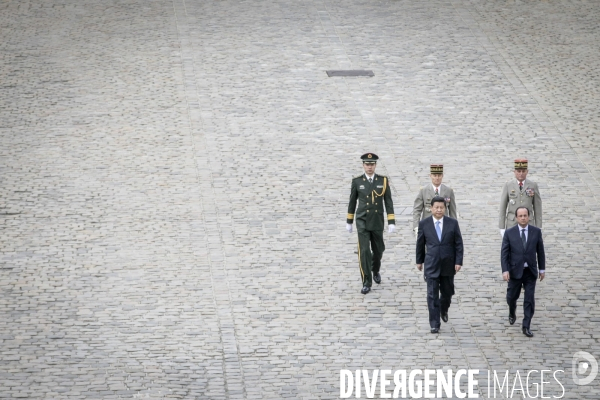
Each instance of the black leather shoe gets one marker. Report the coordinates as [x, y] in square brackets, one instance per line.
[377, 278]
[512, 318]
[527, 332]
[445, 317]
[365, 290]
[435, 330]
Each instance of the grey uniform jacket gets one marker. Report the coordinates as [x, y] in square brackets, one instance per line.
[422, 206]
[512, 198]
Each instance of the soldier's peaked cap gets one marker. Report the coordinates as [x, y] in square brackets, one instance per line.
[369, 158]
[436, 168]
[521, 163]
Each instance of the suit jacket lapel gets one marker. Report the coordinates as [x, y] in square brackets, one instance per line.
[432, 227]
[529, 237]
[445, 228]
[515, 186]
[520, 240]
[429, 194]
[444, 194]
[442, 191]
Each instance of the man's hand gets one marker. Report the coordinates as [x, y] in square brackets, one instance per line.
[416, 231]
[457, 267]
[391, 228]
[349, 228]
[502, 233]
[420, 267]
[505, 276]
[542, 276]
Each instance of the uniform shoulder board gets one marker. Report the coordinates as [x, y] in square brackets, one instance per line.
[383, 176]
[357, 176]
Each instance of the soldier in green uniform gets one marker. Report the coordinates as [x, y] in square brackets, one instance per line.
[422, 206]
[371, 191]
[520, 192]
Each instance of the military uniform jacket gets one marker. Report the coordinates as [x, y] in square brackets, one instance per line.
[512, 198]
[422, 206]
[371, 198]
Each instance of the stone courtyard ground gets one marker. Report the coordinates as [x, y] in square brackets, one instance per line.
[175, 177]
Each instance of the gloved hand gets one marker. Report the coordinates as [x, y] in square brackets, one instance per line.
[502, 232]
[416, 231]
[349, 228]
[391, 228]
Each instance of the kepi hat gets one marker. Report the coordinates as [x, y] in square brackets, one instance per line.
[436, 169]
[521, 163]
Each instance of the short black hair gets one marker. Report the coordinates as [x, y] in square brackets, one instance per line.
[438, 199]
[521, 208]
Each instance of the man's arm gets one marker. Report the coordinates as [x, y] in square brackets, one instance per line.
[420, 251]
[537, 207]
[458, 246]
[389, 203]
[503, 205]
[352, 203]
[505, 254]
[505, 257]
[418, 209]
[452, 206]
[541, 254]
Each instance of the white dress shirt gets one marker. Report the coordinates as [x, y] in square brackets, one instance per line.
[370, 177]
[439, 189]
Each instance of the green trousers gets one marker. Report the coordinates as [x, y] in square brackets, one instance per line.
[370, 250]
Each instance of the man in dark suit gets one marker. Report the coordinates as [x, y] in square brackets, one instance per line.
[443, 259]
[522, 256]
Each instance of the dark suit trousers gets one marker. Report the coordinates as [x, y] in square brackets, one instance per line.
[443, 285]
[513, 292]
[369, 261]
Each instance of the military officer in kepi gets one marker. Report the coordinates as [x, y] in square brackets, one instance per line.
[371, 191]
[520, 192]
[422, 206]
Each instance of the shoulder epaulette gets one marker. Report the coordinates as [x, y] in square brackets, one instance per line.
[357, 176]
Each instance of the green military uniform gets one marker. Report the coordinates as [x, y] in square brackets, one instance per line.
[515, 196]
[371, 197]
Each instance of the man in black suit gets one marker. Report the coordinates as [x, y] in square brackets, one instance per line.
[522, 252]
[443, 259]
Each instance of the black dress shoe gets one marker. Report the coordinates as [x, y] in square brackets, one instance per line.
[365, 290]
[377, 278]
[445, 317]
[512, 318]
[435, 330]
[527, 332]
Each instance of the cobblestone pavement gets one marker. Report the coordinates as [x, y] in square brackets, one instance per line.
[175, 177]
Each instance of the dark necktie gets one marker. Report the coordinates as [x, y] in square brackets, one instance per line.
[520, 185]
[523, 239]
[436, 192]
[370, 180]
